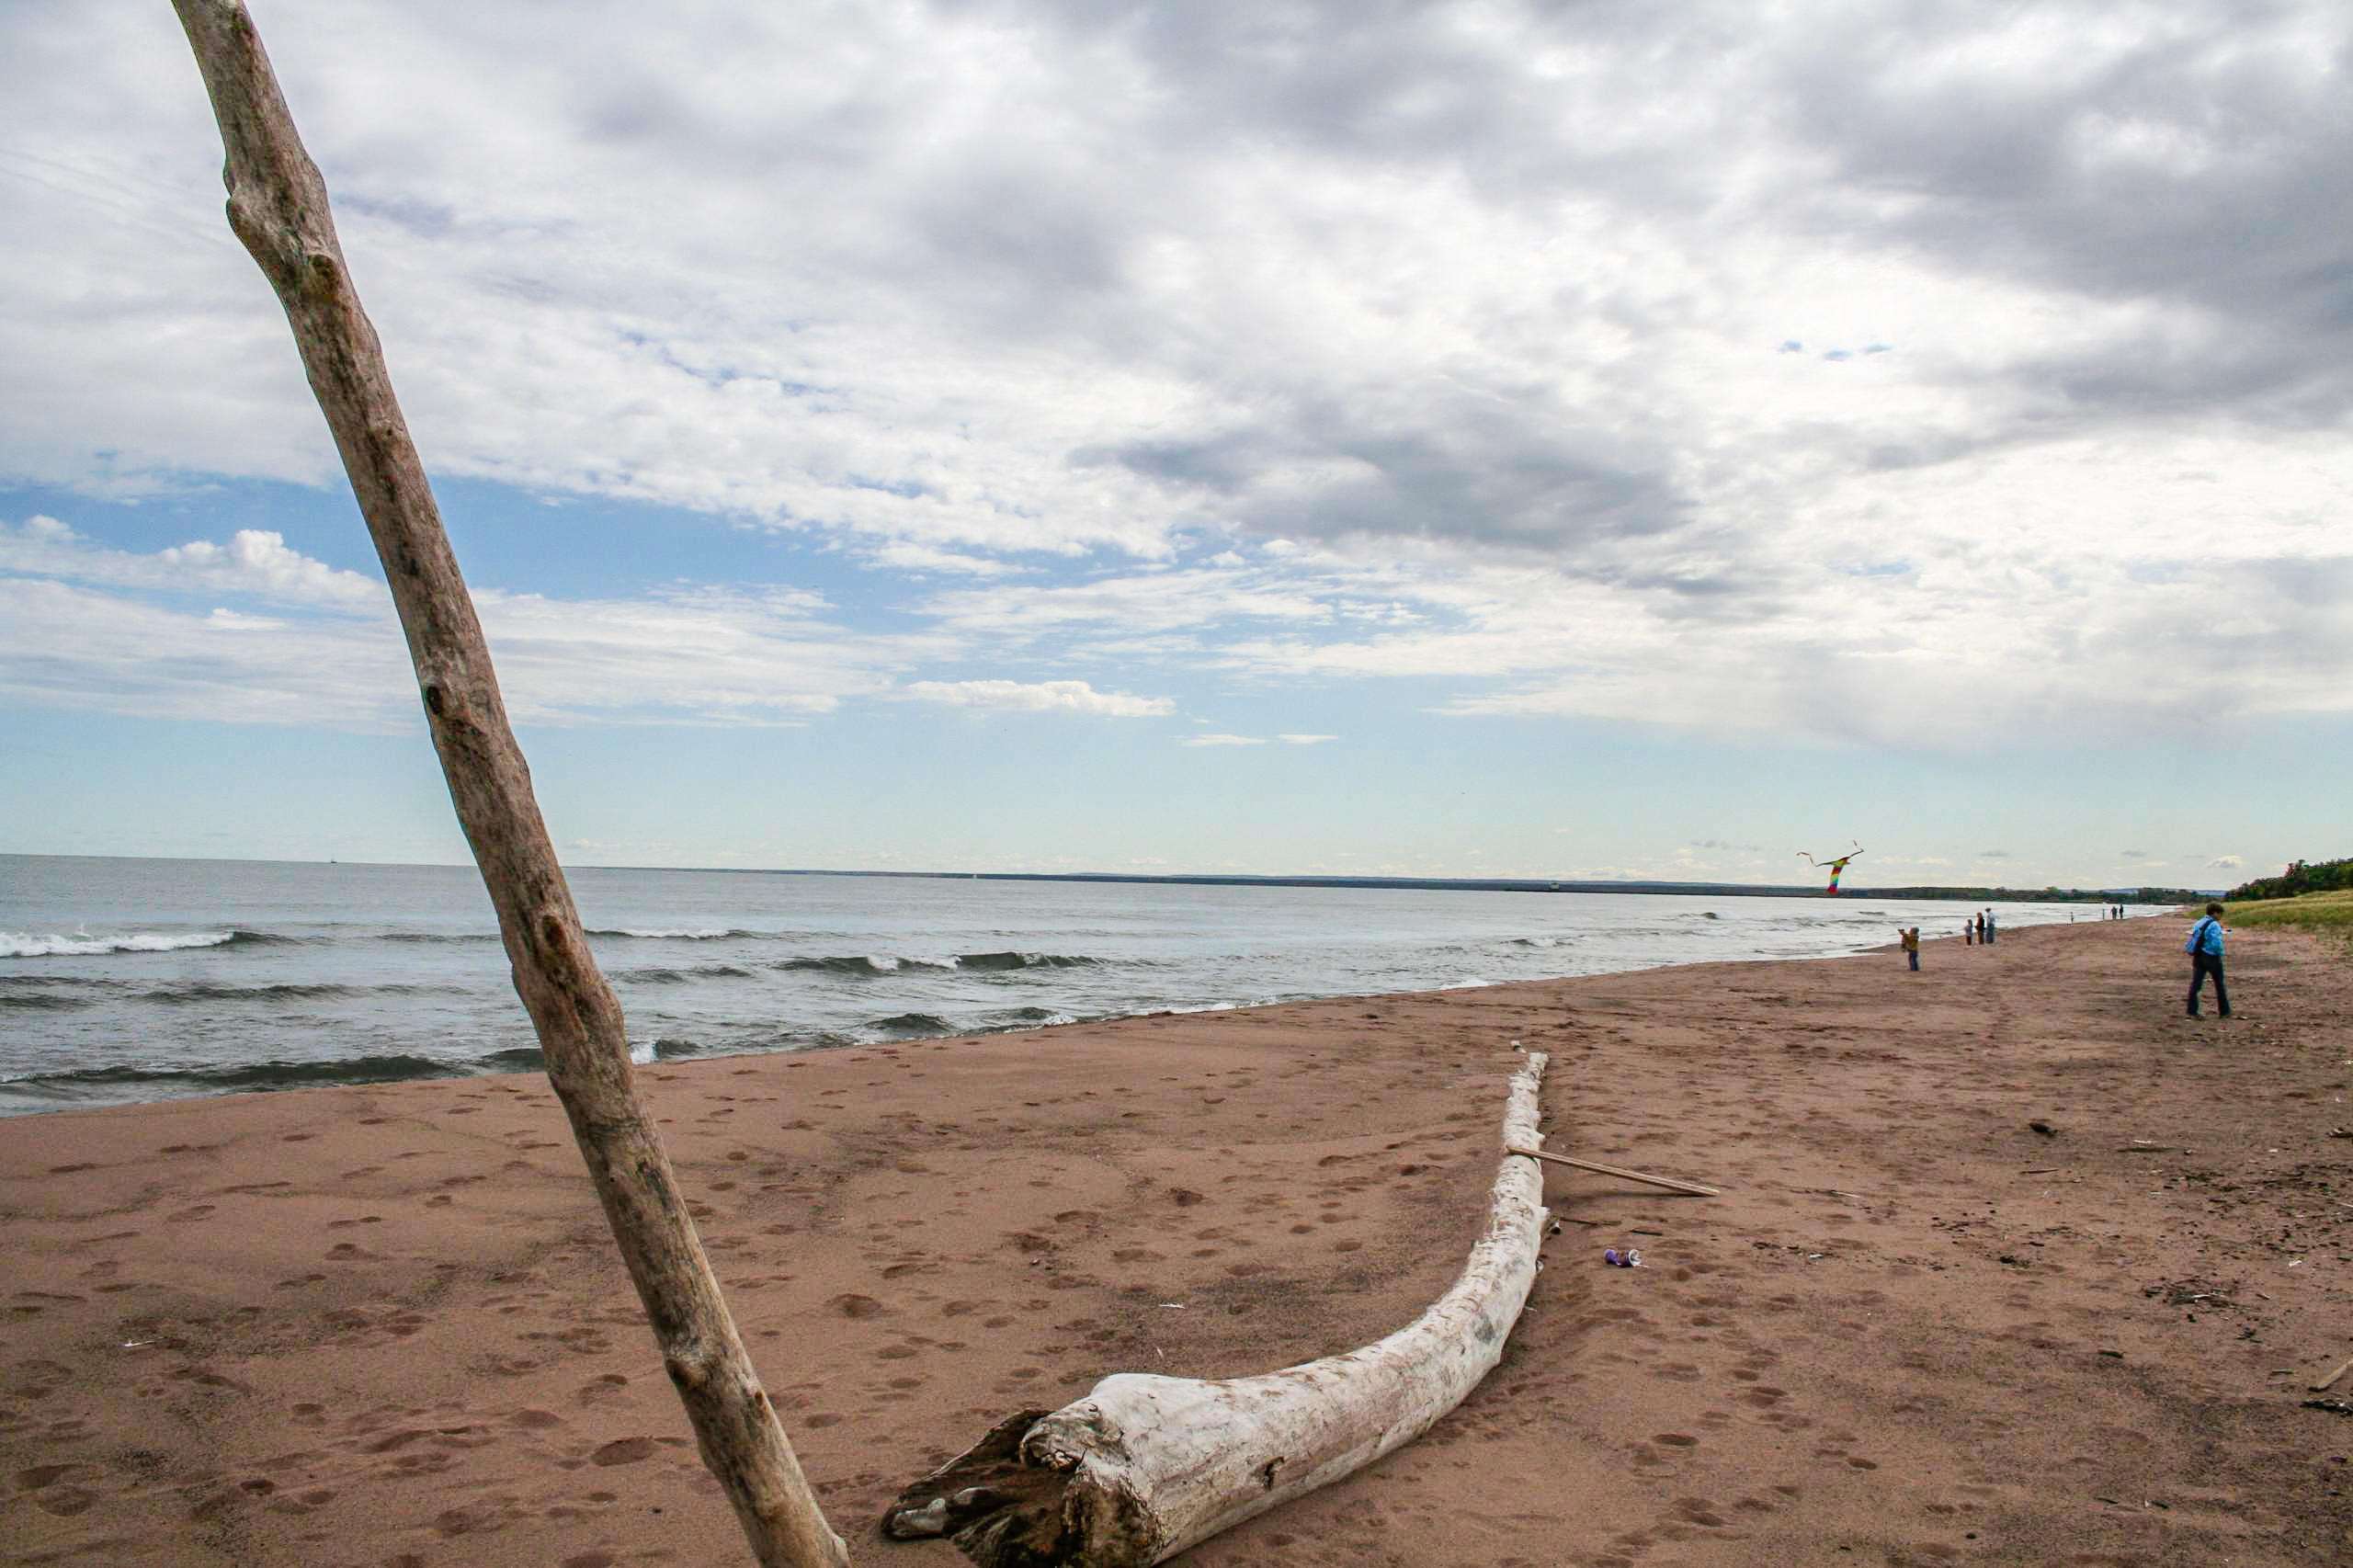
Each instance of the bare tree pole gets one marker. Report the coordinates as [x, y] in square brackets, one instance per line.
[278, 206]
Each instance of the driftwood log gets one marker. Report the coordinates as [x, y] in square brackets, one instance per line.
[278, 207]
[1146, 1466]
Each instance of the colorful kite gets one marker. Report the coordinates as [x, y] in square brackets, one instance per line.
[1834, 867]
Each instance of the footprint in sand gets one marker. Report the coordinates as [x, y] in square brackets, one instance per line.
[622, 1450]
[596, 1390]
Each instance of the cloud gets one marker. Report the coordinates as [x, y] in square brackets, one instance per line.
[108, 630]
[2133, 854]
[1341, 344]
[255, 561]
[1290, 740]
[1220, 740]
[2227, 863]
[904, 555]
[1038, 696]
[1993, 854]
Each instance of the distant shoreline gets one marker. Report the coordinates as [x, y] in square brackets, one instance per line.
[1425, 884]
[1524, 885]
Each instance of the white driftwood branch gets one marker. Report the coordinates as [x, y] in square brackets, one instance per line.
[1146, 1466]
[278, 206]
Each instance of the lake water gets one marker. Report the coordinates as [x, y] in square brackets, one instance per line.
[129, 980]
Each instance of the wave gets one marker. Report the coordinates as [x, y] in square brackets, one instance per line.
[205, 991]
[991, 961]
[82, 944]
[855, 965]
[698, 933]
[1542, 942]
[43, 1001]
[249, 1075]
[905, 1024]
[441, 937]
[644, 1053]
[680, 976]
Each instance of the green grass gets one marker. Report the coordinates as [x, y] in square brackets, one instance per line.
[2314, 911]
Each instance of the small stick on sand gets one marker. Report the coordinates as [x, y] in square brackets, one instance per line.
[1668, 1182]
[2342, 1368]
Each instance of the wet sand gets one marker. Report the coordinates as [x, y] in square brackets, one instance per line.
[384, 1326]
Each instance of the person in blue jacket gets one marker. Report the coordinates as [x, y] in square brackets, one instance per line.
[2205, 950]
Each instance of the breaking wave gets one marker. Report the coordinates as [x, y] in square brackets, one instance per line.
[81, 944]
[854, 965]
[1022, 960]
[911, 1024]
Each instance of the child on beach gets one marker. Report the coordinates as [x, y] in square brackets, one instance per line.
[1910, 938]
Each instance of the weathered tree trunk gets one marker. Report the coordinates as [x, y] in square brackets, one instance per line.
[1146, 1466]
[278, 206]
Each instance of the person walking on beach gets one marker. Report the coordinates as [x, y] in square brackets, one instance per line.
[1910, 938]
[2205, 950]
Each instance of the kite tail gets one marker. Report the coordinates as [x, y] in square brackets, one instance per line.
[1835, 872]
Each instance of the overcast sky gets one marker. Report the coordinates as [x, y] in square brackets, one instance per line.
[1534, 439]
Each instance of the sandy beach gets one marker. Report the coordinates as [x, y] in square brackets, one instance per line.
[2013, 1265]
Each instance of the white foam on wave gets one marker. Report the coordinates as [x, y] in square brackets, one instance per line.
[24, 944]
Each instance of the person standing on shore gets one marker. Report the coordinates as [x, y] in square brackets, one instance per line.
[1979, 920]
[1969, 933]
[2205, 950]
[1910, 940]
[1986, 928]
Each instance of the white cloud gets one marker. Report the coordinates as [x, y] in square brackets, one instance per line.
[86, 627]
[1038, 696]
[1291, 740]
[1425, 345]
[1220, 740]
[905, 555]
[1136, 605]
[2227, 863]
[255, 561]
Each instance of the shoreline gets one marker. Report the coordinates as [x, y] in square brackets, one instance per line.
[384, 1324]
[84, 1018]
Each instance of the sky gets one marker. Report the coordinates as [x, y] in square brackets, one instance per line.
[1539, 439]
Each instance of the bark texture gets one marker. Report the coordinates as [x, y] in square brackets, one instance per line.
[278, 207]
[1146, 1466]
